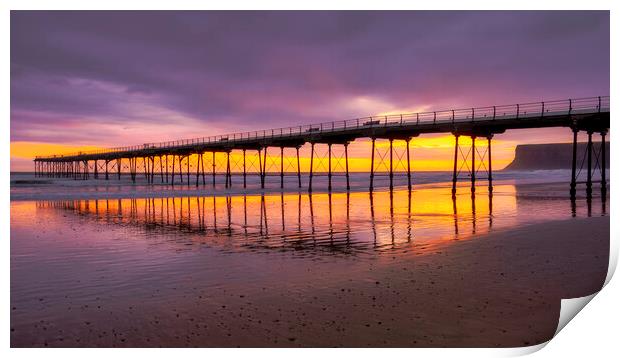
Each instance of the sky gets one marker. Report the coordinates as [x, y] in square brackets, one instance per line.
[84, 80]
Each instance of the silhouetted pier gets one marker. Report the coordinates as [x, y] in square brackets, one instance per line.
[173, 158]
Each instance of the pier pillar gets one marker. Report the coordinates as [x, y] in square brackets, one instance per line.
[188, 157]
[213, 169]
[372, 166]
[228, 174]
[151, 169]
[173, 162]
[146, 174]
[298, 168]
[202, 169]
[161, 169]
[198, 160]
[181, 168]
[573, 181]
[119, 163]
[346, 163]
[260, 167]
[603, 169]
[264, 171]
[329, 167]
[167, 168]
[490, 164]
[133, 163]
[391, 164]
[454, 172]
[244, 171]
[473, 166]
[96, 170]
[311, 167]
[589, 178]
[408, 165]
[106, 169]
[281, 167]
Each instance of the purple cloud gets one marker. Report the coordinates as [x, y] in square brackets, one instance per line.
[85, 76]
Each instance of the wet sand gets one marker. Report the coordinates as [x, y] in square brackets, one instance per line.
[502, 289]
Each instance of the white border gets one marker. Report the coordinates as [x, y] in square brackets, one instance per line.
[594, 330]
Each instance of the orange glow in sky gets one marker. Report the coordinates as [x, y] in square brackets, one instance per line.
[427, 153]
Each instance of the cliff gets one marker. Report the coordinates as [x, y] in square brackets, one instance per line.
[551, 156]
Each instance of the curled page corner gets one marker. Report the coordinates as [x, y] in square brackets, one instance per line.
[569, 309]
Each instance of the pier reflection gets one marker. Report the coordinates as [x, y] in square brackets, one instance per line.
[348, 223]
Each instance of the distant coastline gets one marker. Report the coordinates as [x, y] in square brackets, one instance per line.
[550, 156]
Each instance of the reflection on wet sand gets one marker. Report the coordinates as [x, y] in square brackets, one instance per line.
[268, 221]
[339, 223]
[279, 270]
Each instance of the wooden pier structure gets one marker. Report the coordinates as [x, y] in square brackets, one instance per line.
[172, 159]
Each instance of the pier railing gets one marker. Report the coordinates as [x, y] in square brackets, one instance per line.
[502, 112]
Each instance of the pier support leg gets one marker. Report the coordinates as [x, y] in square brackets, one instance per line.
[603, 169]
[573, 180]
[473, 166]
[372, 166]
[260, 167]
[151, 169]
[119, 163]
[132, 168]
[589, 178]
[96, 170]
[346, 164]
[202, 169]
[329, 167]
[188, 157]
[106, 169]
[161, 169]
[167, 168]
[311, 167]
[281, 167]
[490, 164]
[173, 160]
[298, 169]
[408, 165]
[181, 169]
[244, 171]
[198, 160]
[146, 173]
[264, 171]
[391, 164]
[454, 172]
[228, 176]
[213, 169]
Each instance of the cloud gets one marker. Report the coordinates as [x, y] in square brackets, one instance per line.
[126, 77]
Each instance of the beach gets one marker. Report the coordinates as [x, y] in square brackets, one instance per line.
[292, 269]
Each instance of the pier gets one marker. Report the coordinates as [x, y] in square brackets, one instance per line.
[169, 162]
